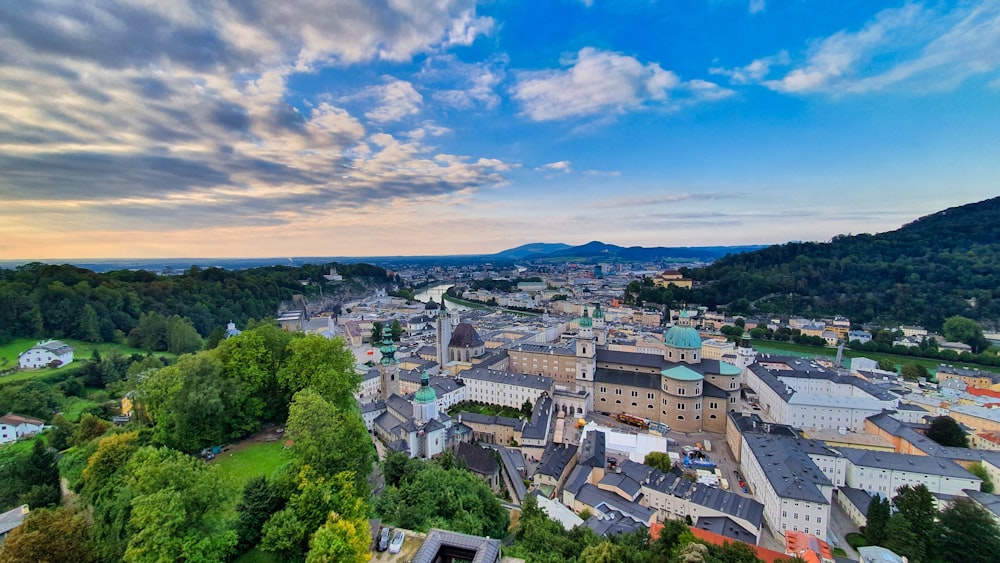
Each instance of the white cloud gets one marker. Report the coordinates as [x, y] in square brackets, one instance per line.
[595, 82]
[397, 99]
[559, 166]
[755, 71]
[922, 48]
[477, 82]
[657, 199]
[756, 6]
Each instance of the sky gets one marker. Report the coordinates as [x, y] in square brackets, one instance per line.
[256, 128]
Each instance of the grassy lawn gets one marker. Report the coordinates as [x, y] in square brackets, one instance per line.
[791, 348]
[82, 352]
[485, 409]
[73, 407]
[260, 458]
[16, 450]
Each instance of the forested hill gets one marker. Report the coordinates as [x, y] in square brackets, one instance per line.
[49, 301]
[940, 265]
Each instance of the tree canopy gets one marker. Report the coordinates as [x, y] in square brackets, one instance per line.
[946, 431]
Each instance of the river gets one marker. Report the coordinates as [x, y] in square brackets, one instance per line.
[436, 292]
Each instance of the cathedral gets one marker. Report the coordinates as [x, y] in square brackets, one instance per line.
[678, 388]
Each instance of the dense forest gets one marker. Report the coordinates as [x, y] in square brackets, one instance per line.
[938, 266]
[63, 301]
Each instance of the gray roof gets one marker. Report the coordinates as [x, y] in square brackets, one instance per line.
[903, 462]
[579, 477]
[372, 407]
[860, 498]
[988, 501]
[623, 482]
[593, 449]
[791, 473]
[725, 526]
[555, 458]
[754, 424]
[627, 378]
[12, 519]
[476, 549]
[508, 378]
[631, 358]
[606, 501]
[465, 336]
[968, 372]
[477, 418]
[477, 459]
[510, 466]
[547, 349]
[541, 416]
[885, 422]
[612, 524]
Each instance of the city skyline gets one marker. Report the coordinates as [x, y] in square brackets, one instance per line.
[138, 129]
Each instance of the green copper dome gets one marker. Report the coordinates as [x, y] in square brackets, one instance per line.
[598, 312]
[426, 393]
[682, 373]
[685, 337]
[388, 349]
[586, 321]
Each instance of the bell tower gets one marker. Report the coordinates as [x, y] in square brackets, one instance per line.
[388, 367]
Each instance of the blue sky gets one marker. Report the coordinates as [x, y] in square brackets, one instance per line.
[137, 128]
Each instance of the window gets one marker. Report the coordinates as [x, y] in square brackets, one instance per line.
[649, 396]
[784, 514]
[681, 391]
[618, 391]
[680, 417]
[680, 406]
[604, 389]
[635, 393]
[795, 515]
[713, 405]
[649, 406]
[807, 519]
[819, 519]
[634, 405]
[697, 406]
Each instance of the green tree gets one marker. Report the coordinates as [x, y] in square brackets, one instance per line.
[288, 531]
[877, 519]
[182, 337]
[341, 540]
[902, 537]
[88, 328]
[325, 365]
[327, 439]
[38, 475]
[377, 330]
[886, 364]
[526, 408]
[659, 460]
[190, 403]
[969, 534]
[60, 534]
[88, 428]
[914, 372]
[252, 359]
[176, 509]
[539, 538]
[260, 500]
[61, 433]
[945, 431]
[917, 505]
[604, 552]
[104, 488]
[962, 329]
[979, 470]
[396, 330]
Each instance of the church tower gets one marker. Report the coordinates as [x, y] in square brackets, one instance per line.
[586, 353]
[388, 367]
[425, 406]
[600, 329]
[443, 334]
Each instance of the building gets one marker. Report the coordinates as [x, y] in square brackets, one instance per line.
[44, 354]
[886, 472]
[416, 427]
[481, 462]
[677, 387]
[669, 278]
[803, 394]
[504, 388]
[442, 545]
[14, 426]
[795, 491]
[12, 519]
[971, 377]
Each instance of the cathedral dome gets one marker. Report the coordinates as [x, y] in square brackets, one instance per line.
[683, 335]
[586, 321]
[426, 393]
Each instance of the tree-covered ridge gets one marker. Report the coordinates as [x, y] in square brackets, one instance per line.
[940, 265]
[63, 301]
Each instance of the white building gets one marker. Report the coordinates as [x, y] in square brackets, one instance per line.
[504, 388]
[795, 492]
[885, 472]
[803, 394]
[14, 426]
[44, 353]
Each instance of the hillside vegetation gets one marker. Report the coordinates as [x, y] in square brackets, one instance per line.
[940, 265]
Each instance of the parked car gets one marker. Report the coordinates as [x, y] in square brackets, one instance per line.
[383, 539]
[397, 541]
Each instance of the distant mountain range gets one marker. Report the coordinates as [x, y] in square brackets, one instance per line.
[596, 251]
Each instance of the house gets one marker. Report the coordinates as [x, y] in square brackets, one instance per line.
[481, 462]
[44, 354]
[14, 426]
[12, 519]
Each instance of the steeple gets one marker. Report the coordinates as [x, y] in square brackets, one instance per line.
[425, 407]
[388, 366]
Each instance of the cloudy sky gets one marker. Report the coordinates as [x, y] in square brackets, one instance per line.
[143, 128]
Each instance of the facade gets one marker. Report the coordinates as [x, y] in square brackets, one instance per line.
[884, 473]
[795, 491]
[14, 426]
[504, 388]
[971, 377]
[44, 353]
[676, 387]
